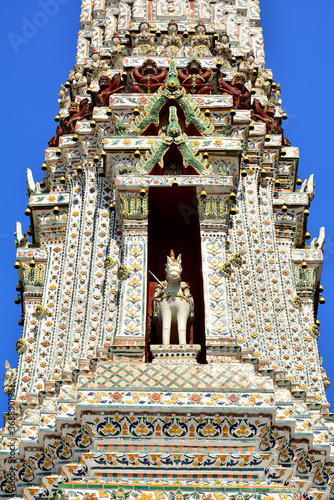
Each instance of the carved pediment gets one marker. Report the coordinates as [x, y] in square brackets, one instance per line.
[172, 92]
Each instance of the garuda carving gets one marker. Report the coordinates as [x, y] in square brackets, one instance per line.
[266, 115]
[148, 78]
[237, 89]
[108, 86]
[81, 111]
[195, 79]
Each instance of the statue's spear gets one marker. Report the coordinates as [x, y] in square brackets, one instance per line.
[154, 276]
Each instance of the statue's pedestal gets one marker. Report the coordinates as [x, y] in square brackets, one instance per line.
[173, 354]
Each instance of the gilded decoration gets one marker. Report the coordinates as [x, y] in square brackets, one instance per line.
[213, 207]
[133, 206]
[34, 276]
[305, 278]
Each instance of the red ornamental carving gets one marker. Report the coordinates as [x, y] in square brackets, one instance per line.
[266, 115]
[108, 86]
[148, 78]
[67, 125]
[237, 89]
[195, 79]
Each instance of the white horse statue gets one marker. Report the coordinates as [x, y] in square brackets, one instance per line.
[173, 305]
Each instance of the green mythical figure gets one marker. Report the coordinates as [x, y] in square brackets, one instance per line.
[173, 129]
[172, 83]
[186, 147]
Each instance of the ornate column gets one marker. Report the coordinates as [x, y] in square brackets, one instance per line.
[132, 275]
[213, 215]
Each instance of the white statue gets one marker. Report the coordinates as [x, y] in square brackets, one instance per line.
[79, 84]
[96, 60]
[199, 43]
[308, 186]
[64, 100]
[117, 51]
[173, 303]
[275, 96]
[248, 65]
[324, 376]
[21, 240]
[262, 86]
[318, 243]
[143, 43]
[32, 186]
[222, 49]
[172, 42]
[9, 379]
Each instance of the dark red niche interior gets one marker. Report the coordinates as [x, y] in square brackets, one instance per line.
[173, 156]
[173, 223]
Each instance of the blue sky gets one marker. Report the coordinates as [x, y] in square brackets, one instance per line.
[299, 42]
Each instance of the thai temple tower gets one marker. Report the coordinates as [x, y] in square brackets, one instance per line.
[169, 293]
